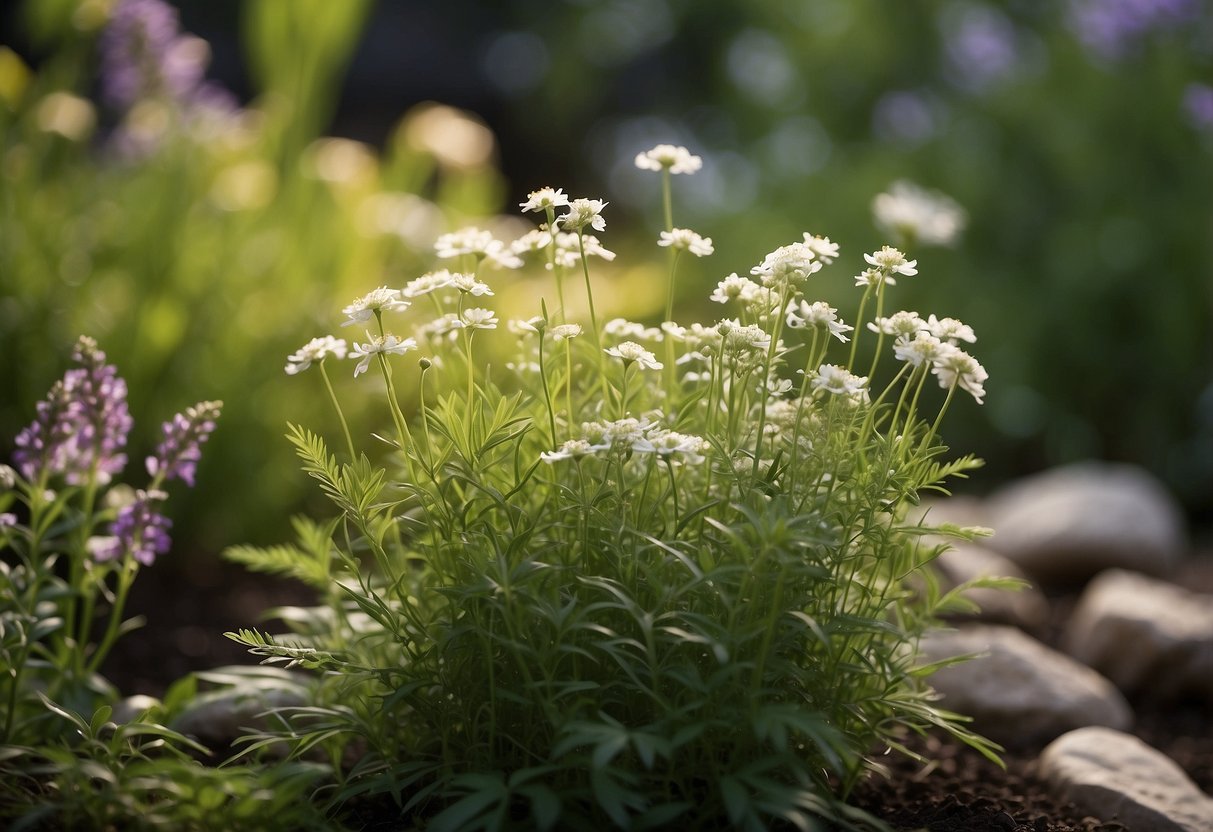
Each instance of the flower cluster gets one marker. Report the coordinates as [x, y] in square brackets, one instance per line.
[917, 216]
[180, 448]
[140, 530]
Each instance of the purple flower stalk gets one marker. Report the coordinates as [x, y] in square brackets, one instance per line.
[81, 426]
[1111, 28]
[139, 530]
[178, 453]
[144, 55]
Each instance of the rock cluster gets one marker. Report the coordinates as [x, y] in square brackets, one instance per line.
[1133, 635]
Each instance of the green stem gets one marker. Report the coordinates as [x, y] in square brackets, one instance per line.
[589, 294]
[547, 394]
[328, 385]
[126, 576]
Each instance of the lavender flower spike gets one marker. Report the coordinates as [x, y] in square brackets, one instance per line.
[139, 530]
[143, 54]
[40, 446]
[178, 453]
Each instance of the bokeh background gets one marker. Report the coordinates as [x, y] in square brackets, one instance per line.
[206, 201]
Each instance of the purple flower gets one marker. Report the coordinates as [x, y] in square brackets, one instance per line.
[1198, 104]
[144, 55]
[139, 530]
[81, 426]
[178, 453]
[981, 45]
[1110, 28]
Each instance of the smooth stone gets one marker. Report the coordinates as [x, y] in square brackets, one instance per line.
[1117, 777]
[1018, 691]
[218, 718]
[1148, 636]
[1072, 522]
[1026, 608]
[130, 708]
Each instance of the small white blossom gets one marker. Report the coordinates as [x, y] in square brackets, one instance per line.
[623, 328]
[543, 199]
[825, 250]
[739, 340]
[536, 239]
[530, 326]
[572, 449]
[950, 330]
[426, 283]
[477, 318]
[568, 249]
[364, 308]
[924, 348]
[8, 478]
[563, 332]
[916, 215]
[619, 434]
[733, 287]
[957, 368]
[677, 159]
[583, 212]
[873, 277]
[668, 444]
[385, 344]
[469, 285]
[316, 349]
[837, 380]
[900, 324]
[890, 261]
[446, 325]
[630, 352]
[676, 332]
[684, 239]
[819, 315]
[478, 243]
[790, 264]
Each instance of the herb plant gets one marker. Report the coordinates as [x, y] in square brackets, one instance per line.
[651, 577]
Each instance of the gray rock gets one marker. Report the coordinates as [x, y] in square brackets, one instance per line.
[1117, 777]
[1072, 522]
[1025, 608]
[1019, 691]
[218, 718]
[130, 708]
[1146, 635]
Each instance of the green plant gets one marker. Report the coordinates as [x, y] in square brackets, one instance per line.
[610, 589]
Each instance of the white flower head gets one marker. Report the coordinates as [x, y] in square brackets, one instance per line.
[790, 264]
[445, 326]
[583, 212]
[923, 348]
[469, 285]
[737, 339]
[379, 344]
[536, 239]
[825, 250]
[543, 199]
[531, 326]
[364, 308]
[569, 247]
[733, 287]
[620, 434]
[427, 283]
[900, 324]
[8, 478]
[314, 350]
[623, 328]
[890, 261]
[684, 239]
[956, 368]
[819, 315]
[477, 318]
[563, 332]
[629, 352]
[669, 444]
[674, 330]
[477, 243]
[950, 330]
[675, 159]
[841, 382]
[916, 215]
[573, 449]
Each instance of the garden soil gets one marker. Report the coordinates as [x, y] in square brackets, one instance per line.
[960, 792]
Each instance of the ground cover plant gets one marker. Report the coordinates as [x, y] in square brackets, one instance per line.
[633, 576]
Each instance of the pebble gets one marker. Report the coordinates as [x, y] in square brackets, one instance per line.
[218, 718]
[1117, 777]
[1148, 636]
[1020, 692]
[1025, 607]
[1071, 522]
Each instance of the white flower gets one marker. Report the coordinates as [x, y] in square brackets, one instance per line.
[819, 315]
[676, 332]
[623, 328]
[426, 283]
[733, 287]
[901, 324]
[536, 239]
[889, 261]
[543, 199]
[667, 444]
[8, 520]
[445, 326]
[837, 380]
[950, 330]
[630, 352]
[469, 285]
[477, 318]
[957, 368]
[478, 243]
[667, 156]
[385, 344]
[316, 349]
[563, 332]
[572, 449]
[873, 277]
[568, 249]
[622, 433]
[792, 264]
[530, 326]
[364, 308]
[8, 478]
[583, 212]
[918, 215]
[923, 348]
[738, 340]
[684, 239]
[825, 250]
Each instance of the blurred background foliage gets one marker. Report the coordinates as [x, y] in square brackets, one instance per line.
[201, 240]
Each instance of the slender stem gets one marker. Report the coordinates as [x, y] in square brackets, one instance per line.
[623, 397]
[349, 441]
[667, 202]
[552, 260]
[863, 302]
[547, 393]
[126, 576]
[589, 294]
[568, 383]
